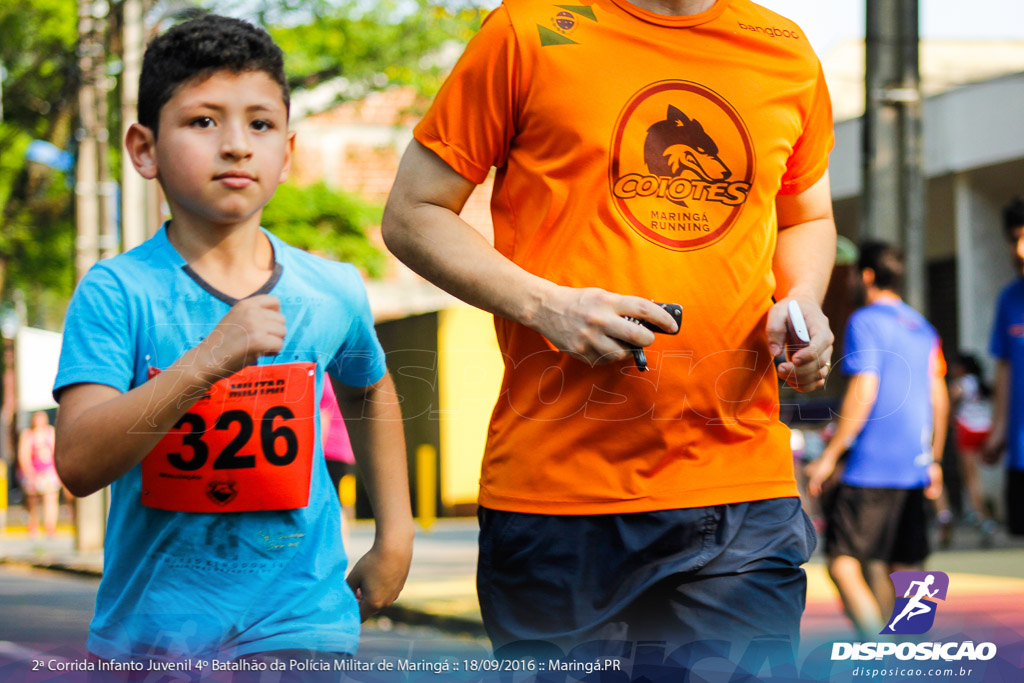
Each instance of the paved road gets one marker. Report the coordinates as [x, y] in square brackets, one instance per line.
[47, 613]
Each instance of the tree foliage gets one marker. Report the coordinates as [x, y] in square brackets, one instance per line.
[327, 222]
[36, 203]
[377, 45]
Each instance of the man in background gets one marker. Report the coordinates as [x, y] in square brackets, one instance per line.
[893, 423]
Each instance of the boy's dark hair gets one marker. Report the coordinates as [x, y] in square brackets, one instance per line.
[1013, 216]
[195, 49]
[887, 263]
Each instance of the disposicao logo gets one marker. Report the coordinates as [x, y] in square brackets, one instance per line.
[914, 612]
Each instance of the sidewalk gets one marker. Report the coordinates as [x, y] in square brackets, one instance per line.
[986, 585]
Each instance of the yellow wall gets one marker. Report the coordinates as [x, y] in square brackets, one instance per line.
[469, 373]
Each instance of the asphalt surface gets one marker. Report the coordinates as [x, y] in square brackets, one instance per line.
[46, 613]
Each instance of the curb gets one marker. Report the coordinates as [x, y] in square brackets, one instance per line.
[51, 566]
[451, 625]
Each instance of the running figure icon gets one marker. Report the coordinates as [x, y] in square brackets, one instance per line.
[917, 605]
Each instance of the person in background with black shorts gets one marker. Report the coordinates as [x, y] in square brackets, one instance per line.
[1007, 346]
[893, 423]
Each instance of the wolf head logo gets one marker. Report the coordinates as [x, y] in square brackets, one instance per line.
[680, 145]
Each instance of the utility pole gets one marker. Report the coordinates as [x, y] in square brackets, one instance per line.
[893, 201]
[90, 51]
[134, 223]
[90, 215]
[108, 242]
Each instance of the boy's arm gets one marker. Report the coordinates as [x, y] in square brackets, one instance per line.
[373, 418]
[102, 433]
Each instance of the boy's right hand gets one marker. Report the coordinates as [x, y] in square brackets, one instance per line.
[379, 576]
[254, 327]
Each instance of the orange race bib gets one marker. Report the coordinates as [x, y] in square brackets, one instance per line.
[246, 445]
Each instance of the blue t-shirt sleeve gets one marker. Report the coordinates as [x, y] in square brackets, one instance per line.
[97, 346]
[861, 354]
[999, 344]
[360, 360]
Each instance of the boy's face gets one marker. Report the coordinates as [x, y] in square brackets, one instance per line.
[223, 147]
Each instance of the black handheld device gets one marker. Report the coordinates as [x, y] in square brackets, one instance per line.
[675, 310]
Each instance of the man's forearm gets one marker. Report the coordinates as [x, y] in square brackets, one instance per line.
[422, 227]
[438, 245]
[804, 258]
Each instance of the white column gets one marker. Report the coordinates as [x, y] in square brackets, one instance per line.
[983, 264]
[133, 190]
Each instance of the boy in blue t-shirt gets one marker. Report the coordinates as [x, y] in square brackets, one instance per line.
[189, 379]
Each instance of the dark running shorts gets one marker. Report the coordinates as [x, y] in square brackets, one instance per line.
[1015, 502]
[726, 573]
[877, 524]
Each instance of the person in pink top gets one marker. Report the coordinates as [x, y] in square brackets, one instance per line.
[337, 449]
[39, 478]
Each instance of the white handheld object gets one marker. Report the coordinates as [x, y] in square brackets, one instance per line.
[797, 325]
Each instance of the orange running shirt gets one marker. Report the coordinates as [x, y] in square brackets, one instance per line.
[641, 154]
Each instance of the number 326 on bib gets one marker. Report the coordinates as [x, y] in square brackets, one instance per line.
[246, 445]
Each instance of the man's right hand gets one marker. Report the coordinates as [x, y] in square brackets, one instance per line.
[254, 327]
[588, 323]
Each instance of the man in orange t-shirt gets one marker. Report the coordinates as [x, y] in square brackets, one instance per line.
[652, 150]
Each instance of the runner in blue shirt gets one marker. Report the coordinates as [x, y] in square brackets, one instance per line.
[189, 378]
[893, 423]
[1007, 346]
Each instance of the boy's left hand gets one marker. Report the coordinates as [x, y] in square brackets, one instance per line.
[378, 577]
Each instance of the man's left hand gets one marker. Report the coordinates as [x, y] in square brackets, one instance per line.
[805, 369]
